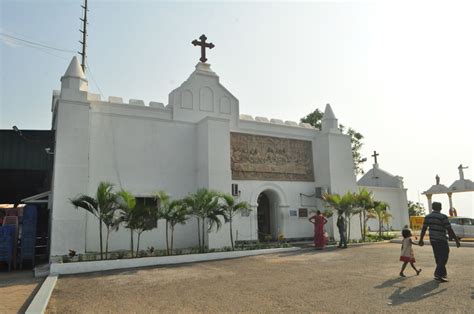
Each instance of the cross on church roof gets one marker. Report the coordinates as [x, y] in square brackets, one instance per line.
[375, 156]
[203, 45]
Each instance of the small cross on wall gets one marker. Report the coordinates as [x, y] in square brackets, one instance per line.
[203, 45]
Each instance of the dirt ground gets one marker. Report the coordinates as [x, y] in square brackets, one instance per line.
[359, 279]
[17, 289]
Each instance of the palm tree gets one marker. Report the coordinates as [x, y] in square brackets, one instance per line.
[365, 202]
[111, 223]
[386, 218]
[232, 208]
[103, 206]
[381, 212]
[193, 208]
[144, 219]
[343, 204]
[179, 215]
[127, 204]
[166, 212]
[204, 204]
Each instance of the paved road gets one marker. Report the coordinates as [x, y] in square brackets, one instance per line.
[17, 289]
[360, 279]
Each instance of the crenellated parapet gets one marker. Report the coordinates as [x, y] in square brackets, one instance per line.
[265, 120]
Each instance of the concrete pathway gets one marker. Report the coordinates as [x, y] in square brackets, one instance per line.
[17, 289]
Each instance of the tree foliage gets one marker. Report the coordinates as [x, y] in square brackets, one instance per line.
[173, 213]
[204, 204]
[416, 209]
[103, 207]
[315, 118]
[231, 208]
[365, 203]
[344, 205]
[381, 212]
[127, 204]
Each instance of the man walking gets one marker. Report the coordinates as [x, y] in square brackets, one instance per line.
[439, 225]
[342, 229]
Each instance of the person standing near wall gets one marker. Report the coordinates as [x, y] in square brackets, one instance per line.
[342, 231]
[319, 221]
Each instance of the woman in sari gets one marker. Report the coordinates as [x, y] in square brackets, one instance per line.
[318, 221]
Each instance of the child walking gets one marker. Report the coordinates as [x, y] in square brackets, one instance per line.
[407, 255]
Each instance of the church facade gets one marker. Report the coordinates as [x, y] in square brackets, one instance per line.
[198, 140]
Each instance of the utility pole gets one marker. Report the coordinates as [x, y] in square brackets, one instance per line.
[84, 37]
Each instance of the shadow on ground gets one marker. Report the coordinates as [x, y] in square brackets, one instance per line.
[415, 294]
[390, 283]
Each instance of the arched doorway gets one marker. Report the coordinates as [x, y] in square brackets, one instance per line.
[270, 201]
[263, 217]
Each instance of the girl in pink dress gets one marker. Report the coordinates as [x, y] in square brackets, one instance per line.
[407, 255]
[319, 221]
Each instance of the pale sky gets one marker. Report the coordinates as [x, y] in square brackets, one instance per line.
[399, 72]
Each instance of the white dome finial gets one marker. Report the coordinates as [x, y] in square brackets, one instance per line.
[74, 82]
[74, 69]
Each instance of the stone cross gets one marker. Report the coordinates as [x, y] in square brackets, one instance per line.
[375, 156]
[203, 45]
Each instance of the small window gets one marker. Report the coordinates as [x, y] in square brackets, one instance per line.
[466, 221]
[147, 202]
[293, 213]
[303, 212]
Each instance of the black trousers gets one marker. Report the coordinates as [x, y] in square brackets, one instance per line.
[441, 255]
[342, 236]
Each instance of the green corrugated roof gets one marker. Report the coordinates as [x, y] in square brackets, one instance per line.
[26, 152]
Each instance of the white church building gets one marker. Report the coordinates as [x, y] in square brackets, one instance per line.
[390, 189]
[199, 139]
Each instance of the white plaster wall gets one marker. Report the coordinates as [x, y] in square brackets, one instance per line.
[283, 197]
[142, 154]
[334, 164]
[201, 96]
[71, 169]
[397, 200]
[214, 139]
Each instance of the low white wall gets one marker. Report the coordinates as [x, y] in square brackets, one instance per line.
[93, 266]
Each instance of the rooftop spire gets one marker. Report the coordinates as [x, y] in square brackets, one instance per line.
[329, 121]
[74, 84]
[328, 113]
[74, 69]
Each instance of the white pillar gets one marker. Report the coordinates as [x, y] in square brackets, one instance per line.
[428, 196]
[450, 204]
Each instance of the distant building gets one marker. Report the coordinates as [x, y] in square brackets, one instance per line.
[387, 188]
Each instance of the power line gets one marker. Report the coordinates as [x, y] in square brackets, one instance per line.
[93, 79]
[25, 45]
[46, 49]
[35, 43]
